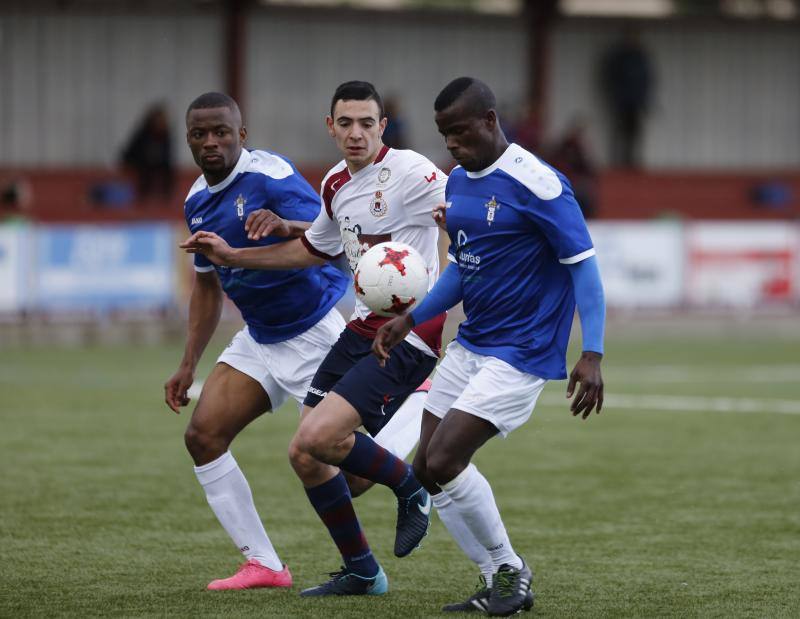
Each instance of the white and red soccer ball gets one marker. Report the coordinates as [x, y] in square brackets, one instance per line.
[391, 278]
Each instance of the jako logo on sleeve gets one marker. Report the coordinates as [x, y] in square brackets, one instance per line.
[196, 220]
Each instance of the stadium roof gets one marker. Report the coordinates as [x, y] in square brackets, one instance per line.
[642, 9]
[776, 9]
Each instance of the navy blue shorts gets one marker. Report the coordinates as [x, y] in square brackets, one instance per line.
[351, 370]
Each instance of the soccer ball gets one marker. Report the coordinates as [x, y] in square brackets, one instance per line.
[391, 278]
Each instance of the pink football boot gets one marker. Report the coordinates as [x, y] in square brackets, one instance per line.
[253, 575]
[425, 386]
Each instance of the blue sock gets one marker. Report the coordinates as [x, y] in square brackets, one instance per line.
[334, 505]
[369, 460]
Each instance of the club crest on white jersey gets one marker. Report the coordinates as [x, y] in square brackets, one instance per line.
[378, 207]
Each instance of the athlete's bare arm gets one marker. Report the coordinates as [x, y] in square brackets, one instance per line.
[289, 255]
[205, 307]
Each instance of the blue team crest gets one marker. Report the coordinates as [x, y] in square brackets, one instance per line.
[491, 208]
[240, 202]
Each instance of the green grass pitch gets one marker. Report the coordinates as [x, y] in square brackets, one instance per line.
[664, 505]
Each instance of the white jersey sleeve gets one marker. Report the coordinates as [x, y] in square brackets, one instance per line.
[323, 238]
[424, 190]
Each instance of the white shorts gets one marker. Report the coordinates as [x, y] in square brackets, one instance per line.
[284, 369]
[401, 433]
[486, 387]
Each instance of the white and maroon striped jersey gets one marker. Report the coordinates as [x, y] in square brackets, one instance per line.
[389, 200]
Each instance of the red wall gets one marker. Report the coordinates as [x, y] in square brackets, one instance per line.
[63, 195]
[696, 195]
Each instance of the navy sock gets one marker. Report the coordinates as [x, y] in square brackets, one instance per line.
[369, 460]
[334, 505]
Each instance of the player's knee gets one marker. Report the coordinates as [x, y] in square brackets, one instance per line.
[302, 461]
[203, 445]
[440, 468]
[421, 473]
[313, 442]
[296, 454]
[307, 468]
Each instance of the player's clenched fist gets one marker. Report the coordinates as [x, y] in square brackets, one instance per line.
[175, 389]
[211, 245]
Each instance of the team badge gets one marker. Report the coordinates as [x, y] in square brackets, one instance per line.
[240, 202]
[384, 175]
[378, 206]
[491, 207]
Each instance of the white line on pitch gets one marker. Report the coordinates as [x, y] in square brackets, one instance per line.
[658, 402]
[679, 373]
[690, 403]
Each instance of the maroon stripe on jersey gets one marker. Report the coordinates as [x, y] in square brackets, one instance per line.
[381, 154]
[369, 326]
[429, 332]
[315, 252]
[332, 185]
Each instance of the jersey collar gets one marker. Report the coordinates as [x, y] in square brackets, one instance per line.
[507, 156]
[241, 166]
[378, 159]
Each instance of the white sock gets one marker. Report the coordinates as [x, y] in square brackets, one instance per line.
[228, 494]
[472, 495]
[451, 517]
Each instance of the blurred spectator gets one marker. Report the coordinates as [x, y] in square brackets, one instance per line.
[15, 197]
[527, 130]
[111, 194]
[627, 80]
[772, 195]
[148, 155]
[571, 155]
[394, 136]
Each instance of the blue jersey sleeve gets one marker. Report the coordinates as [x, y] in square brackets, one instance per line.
[292, 198]
[562, 223]
[591, 302]
[446, 292]
[201, 263]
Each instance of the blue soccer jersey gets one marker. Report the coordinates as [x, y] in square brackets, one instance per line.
[276, 305]
[514, 226]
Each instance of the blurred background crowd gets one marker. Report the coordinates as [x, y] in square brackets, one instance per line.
[677, 121]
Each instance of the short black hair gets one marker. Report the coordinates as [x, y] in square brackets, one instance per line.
[480, 98]
[358, 91]
[210, 100]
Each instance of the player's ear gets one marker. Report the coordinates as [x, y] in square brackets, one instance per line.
[242, 134]
[491, 118]
[329, 123]
[382, 125]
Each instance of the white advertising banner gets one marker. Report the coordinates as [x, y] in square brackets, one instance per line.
[642, 263]
[742, 264]
[12, 267]
[105, 267]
